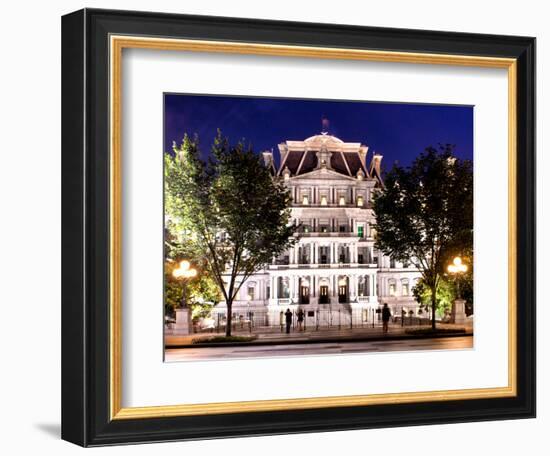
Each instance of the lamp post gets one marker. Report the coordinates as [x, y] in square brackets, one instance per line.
[183, 273]
[455, 269]
[458, 313]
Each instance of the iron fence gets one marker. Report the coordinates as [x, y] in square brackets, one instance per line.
[317, 319]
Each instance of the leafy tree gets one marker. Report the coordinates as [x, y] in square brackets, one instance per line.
[229, 209]
[202, 292]
[424, 214]
[445, 296]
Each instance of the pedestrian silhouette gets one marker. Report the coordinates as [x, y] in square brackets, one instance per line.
[288, 315]
[386, 315]
[300, 319]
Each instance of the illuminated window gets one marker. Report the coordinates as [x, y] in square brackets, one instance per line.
[392, 289]
[359, 201]
[342, 200]
[305, 200]
[323, 200]
[251, 293]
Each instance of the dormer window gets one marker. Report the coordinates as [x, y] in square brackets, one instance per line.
[360, 201]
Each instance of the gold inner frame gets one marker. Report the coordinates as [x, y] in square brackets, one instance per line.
[117, 44]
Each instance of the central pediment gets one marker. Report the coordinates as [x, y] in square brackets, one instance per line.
[324, 173]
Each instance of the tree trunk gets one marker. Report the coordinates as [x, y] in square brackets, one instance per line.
[229, 305]
[434, 305]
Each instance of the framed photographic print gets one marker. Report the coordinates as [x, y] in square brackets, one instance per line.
[276, 227]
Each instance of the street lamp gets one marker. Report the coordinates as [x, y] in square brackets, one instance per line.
[458, 311]
[457, 268]
[183, 273]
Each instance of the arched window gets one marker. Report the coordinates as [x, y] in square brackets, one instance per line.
[405, 290]
[283, 287]
[251, 291]
[391, 287]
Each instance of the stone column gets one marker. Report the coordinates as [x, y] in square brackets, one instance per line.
[372, 281]
[458, 312]
[184, 325]
[316, 253]
[352, 286]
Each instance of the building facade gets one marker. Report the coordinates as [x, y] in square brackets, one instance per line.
[334, 267]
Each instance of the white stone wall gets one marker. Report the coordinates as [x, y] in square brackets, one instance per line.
[335, 247]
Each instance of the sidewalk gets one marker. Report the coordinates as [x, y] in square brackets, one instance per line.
[274, 336]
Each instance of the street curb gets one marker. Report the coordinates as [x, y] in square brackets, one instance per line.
[318, 341]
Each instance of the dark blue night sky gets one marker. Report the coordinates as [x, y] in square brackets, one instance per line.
[398, 131]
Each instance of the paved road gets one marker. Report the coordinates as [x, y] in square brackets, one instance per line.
[329, 348]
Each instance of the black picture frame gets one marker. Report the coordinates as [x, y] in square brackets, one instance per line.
[86, 416]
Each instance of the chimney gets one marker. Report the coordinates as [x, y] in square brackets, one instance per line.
[268, 158]
[376, 163]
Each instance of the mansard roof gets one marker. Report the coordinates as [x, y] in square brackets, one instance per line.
[301, 157]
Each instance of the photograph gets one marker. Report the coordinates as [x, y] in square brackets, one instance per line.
[291, 226]
[299, 227]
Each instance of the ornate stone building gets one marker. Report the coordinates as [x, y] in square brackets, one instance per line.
[334, 266]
